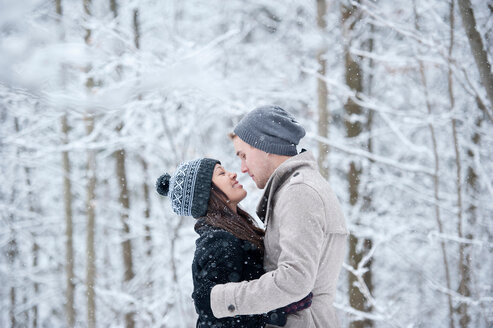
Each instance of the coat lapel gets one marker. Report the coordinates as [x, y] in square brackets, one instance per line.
[264, 205]
[277, 179]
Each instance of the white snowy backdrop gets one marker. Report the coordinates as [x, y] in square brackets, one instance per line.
[98, 98]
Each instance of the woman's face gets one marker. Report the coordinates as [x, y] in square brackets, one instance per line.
[226, 181]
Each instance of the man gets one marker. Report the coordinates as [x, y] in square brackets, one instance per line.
[305, 238]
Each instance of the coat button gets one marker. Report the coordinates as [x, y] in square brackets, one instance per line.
[231, 308]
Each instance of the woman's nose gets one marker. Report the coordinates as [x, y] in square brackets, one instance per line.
[232, 175]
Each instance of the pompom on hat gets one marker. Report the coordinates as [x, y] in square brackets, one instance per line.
[190, 187]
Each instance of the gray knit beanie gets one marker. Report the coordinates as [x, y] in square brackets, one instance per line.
[271, 129]
[190, 187]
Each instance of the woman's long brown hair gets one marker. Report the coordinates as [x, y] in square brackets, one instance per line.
[240, 224]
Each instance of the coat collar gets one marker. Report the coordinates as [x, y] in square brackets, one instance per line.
[279, 177]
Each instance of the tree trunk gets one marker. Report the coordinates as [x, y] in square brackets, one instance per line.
[436, 183]
[90, 206]
[67, 197]
[35, 246]
[322, 93]
[12, 256]
[124, 200]
[147, 213]
[136, 25]
[464, 285]
[465, 264]
[69, 247]
[147, 199]
[35, 251]
[368, 195]
[357, 248]
[12, 252]
[174, 266]
[369, 121]
[436, 180]
[126, 244]
[476, 43]
[91, 197]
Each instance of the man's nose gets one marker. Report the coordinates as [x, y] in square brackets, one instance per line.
[244, 168]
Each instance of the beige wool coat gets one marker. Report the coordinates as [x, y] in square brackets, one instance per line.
[305, 244]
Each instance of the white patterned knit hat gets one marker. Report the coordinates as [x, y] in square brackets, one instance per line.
[189, 188]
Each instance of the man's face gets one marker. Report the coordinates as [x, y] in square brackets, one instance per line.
[254, 161]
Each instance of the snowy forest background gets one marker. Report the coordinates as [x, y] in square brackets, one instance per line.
[98, 98]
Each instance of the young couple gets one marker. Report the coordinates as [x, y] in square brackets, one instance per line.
[244, 276]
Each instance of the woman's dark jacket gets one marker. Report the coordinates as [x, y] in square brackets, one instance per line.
[219, 258]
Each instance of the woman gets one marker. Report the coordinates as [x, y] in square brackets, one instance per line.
[230, 245]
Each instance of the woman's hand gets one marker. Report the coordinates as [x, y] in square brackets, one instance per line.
[279, 317]
[302, 304]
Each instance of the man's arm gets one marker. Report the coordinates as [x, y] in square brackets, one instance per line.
[301, 212]
[217, 260]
